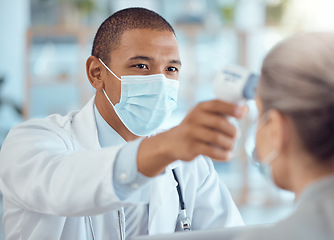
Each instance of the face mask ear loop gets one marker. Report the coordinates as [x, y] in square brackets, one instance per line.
[262, 120]
[114, 76]
[274, 154]
[109, 70]
[286, 132]
[271, 157]
[108, 98]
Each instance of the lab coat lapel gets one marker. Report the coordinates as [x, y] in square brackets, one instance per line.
[84, 128]
[164, 203]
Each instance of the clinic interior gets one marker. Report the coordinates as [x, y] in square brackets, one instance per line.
[44, 45]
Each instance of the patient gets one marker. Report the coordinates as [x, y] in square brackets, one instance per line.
[295, 135]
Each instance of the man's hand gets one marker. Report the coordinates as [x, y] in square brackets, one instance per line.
[204, 131]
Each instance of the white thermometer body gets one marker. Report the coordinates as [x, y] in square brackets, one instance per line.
[235, 84]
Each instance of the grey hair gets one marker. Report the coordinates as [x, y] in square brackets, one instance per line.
[298, 80]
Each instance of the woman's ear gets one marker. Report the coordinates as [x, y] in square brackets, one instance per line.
[278, 129]
[94, 72]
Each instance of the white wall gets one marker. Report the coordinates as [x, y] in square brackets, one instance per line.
[14, 20]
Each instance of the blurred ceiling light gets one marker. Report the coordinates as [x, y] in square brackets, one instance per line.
[309, 15]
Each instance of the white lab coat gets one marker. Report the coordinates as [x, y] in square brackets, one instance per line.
[54, 173]
[313, 218]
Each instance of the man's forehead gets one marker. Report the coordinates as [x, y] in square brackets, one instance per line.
[148, 44]
[148, 36]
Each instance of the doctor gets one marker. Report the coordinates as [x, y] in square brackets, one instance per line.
[94, 173]
[295, 135]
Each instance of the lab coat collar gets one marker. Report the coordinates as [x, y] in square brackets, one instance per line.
[106, 134]
[84, 128]
[174, 164]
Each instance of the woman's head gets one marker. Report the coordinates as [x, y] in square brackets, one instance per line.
[297, 82]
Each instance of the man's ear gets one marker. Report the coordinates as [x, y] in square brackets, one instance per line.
[94, 72]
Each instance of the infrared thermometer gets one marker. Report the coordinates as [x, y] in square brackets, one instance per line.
[235, 84]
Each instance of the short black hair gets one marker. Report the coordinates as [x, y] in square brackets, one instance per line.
[109, 34]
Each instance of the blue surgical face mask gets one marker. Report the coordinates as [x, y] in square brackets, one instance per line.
[146, 101]
[265, 163]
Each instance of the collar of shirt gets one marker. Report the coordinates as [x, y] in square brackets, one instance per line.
[318, 189]
[109, 137]
[106, 134]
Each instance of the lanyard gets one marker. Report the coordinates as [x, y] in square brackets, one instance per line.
[185, 221]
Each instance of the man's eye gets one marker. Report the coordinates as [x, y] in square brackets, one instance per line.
[172, 69]
[141, 66]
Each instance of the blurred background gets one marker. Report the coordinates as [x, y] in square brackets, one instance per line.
[44, 45]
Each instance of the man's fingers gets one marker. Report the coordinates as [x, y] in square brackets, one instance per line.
[213, 152]
[213, 137]
[218, 122]
[207, 131]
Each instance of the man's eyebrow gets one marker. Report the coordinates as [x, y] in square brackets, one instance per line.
[141, 58]
[176, 62]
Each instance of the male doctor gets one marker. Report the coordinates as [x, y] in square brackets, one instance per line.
[94, 173]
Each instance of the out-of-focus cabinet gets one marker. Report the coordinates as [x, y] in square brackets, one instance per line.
[56, 79]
